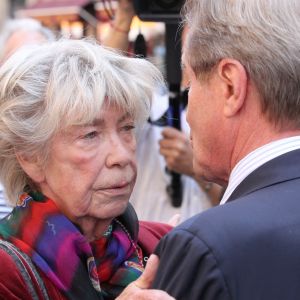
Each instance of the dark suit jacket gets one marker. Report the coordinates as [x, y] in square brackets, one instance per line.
[247, 249]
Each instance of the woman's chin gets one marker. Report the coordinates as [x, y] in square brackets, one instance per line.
[111, 211]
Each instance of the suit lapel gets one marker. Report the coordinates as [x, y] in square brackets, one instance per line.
[282, 168]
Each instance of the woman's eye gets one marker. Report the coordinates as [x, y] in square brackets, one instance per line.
[90, 135]
[128, 127]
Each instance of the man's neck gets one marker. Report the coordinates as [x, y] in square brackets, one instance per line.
[256, 136]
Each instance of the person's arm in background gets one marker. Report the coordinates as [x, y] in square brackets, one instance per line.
[117, 36]
[177, 151]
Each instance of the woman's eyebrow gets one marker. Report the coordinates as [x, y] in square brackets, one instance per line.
[101, 121]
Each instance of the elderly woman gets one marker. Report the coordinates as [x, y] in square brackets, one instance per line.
[68, 113]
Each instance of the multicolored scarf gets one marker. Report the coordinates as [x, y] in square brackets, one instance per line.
[80, 270]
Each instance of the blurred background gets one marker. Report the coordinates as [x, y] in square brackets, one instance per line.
[81, 18]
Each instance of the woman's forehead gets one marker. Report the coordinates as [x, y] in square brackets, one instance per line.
[105, 116]
[113, 108]
[109, 112]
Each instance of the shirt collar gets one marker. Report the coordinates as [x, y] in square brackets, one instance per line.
[257, 158]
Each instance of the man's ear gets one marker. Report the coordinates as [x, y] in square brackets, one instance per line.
[32, 167]
[234, 78]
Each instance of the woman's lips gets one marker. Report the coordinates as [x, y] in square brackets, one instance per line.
[117, 189]
[118, 186]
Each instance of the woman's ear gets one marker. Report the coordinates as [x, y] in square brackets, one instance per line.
[234, 78]
[32, 166]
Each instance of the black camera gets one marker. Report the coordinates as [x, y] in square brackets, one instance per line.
[167, 11]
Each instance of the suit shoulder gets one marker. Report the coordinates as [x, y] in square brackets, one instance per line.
[186, 260]
[222, 227]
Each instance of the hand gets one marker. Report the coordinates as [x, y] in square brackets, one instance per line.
[139, 289]
[117, 36]
[177, 151]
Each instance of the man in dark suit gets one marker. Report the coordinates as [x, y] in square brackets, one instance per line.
[243, 61]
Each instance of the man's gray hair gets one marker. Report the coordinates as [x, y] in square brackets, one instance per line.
[46, 88]
[263, 35]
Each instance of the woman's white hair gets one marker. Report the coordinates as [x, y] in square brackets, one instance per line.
[45, 89]
[263, 35]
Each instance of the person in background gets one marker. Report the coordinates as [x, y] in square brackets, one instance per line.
[150, 196]
[243, 62]
[175, 146]
[14, 34]
[176, 149]
[67, 153]
[20, 32]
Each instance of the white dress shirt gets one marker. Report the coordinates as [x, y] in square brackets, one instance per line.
[256, 159]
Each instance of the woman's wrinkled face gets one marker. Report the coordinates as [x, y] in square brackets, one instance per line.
[91, 170]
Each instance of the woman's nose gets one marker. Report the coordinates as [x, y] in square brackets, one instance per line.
[120, 153]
